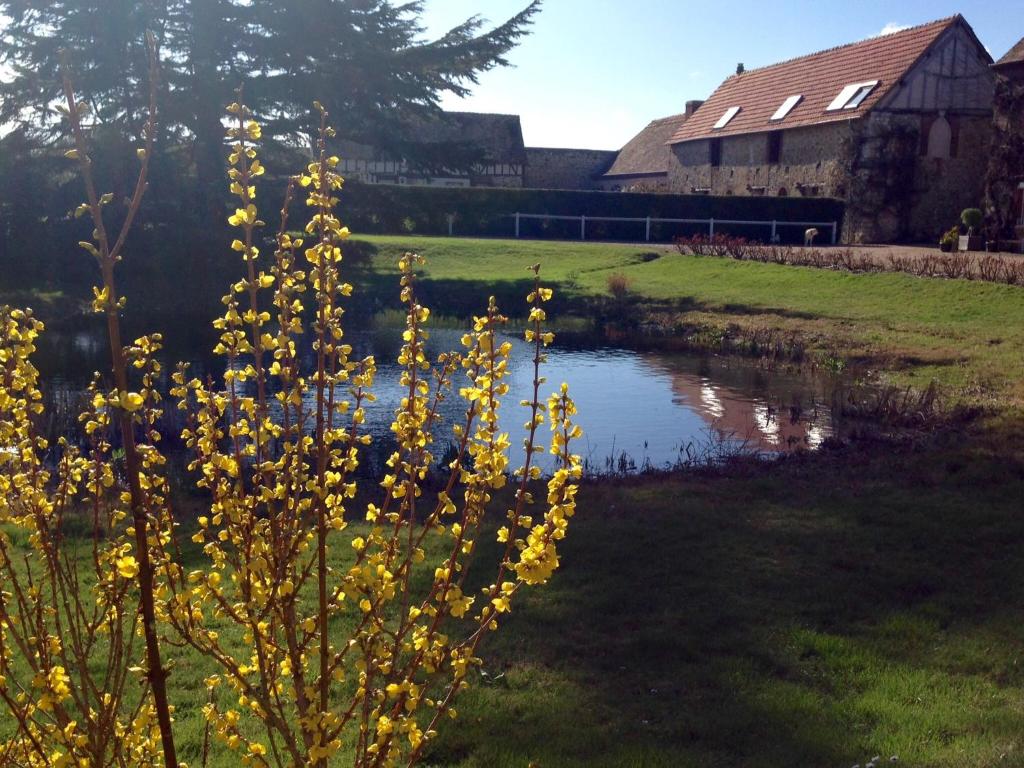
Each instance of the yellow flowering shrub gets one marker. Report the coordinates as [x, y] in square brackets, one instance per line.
[81, 682]
[357, 663]
[278, 449]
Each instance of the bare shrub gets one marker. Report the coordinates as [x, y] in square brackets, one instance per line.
[955, 265]
[619, 285]
[993, 268]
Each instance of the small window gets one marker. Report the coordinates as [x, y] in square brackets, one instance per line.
[852, 96]
[862, 93]
[783, 192]
[787, 107]
[724, 120]
[715, 153]
[774, 147]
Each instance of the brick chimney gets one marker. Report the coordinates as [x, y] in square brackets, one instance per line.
[693, 106]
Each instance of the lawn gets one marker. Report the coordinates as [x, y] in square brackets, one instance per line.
[771, 619]
[965, 334]
[760, 617]
[865, 600]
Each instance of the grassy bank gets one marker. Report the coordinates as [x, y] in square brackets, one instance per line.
[865, 600]
[774, 619]
[967, 335]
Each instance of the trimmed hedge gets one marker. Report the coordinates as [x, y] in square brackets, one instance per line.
[486, 212]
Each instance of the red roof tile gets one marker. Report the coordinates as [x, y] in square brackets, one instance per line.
[818, 77]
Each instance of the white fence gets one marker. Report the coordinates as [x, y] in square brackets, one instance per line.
[772, 226]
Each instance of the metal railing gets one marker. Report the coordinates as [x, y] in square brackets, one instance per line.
[647, 221]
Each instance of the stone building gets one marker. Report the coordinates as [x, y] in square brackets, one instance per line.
[553, 168]
[1005, 187]
[898, 126]
[495, 142]
[642, 165]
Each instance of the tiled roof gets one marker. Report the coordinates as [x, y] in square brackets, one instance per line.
[499, 136]
[648, 151]
[1014, 56]
[818, 77]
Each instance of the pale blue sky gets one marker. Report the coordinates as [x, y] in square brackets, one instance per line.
[594, 72]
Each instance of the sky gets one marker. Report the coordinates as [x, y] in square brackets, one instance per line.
[595, 72]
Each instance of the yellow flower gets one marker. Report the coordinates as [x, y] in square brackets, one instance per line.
[131, 401]
[127, 567]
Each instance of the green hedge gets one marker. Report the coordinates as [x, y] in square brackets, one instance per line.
[486, 212]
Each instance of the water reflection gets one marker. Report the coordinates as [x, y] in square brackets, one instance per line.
[637, 408]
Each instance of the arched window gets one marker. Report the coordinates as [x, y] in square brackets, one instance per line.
[783, 192]
[940, 138]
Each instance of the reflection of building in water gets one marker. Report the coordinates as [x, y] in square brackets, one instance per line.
[785, 425]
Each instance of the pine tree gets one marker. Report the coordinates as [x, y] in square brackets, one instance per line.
[367, 61]
[103, 41]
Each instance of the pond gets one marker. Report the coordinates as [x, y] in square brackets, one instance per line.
[639, 409]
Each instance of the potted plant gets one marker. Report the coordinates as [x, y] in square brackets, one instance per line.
[972, 218]
[949, 240]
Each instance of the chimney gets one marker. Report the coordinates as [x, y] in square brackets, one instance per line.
[692, 106]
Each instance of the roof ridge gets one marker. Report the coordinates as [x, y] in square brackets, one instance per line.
[1013, 56]
[917, 27]
[451, 112]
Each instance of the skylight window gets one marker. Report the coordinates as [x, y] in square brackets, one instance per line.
[859, 96]
[852, 96]
[787, 107]
[730, 113]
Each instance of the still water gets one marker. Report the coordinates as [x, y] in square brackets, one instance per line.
[639, 409]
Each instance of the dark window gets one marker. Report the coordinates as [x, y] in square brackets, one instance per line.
[783, 192]
[716, 152]
[774, 147]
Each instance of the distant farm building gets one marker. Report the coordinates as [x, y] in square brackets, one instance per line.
[493, 141]
[642, 165]
[897, 125]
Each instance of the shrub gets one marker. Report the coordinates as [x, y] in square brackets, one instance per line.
[618, 285]
[275, 447]
[382, 208]
[956, 265]
[950, 239]
[972, 219]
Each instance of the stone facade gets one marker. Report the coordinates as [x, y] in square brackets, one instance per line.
[1004, 187]
[943, 187]
[811, 162]
[548, 168]
[808, 160]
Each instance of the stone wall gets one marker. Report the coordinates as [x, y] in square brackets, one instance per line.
[943, 188]
[811, 163]
[565, 168]
[647, 182]
[807, 164]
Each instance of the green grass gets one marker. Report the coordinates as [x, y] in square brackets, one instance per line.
[967, 335]
[761, 618]
[773, 619]
[861, 601]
